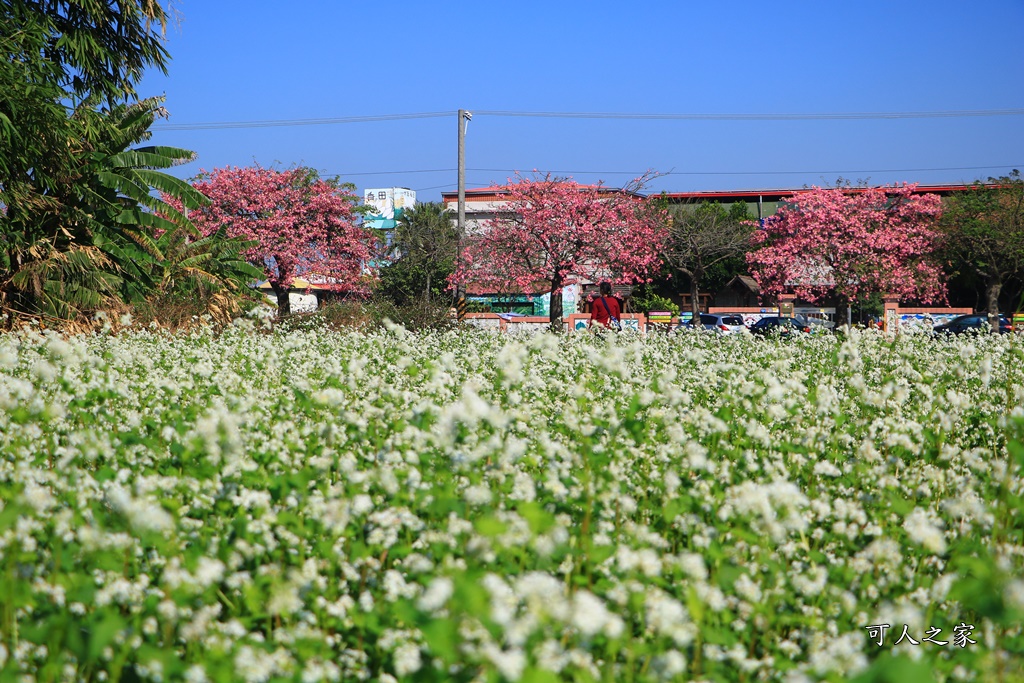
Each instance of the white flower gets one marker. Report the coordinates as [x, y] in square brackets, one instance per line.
[436, 595]
[841, 654]
[39, 497]
[143, 514]
[509, 663]
[590, 616]
[284, 600]
[924, 529]
[668, 617]
[477, 495]
[524, 487]
[1015, 594]
[669, 664]
[209, 571]
[254, 666]
[196, 674]
[811, 583]
[827, 468]
[748, 589]
[361, 504]
[693, 565]
[407, 659]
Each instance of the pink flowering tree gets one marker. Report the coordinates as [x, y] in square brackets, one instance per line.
[300, 225]
[553, 232]
[852, 243]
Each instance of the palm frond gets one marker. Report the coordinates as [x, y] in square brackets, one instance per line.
[177, 154]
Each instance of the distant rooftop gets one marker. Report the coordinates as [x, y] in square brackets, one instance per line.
[773, 195]
[495, 192]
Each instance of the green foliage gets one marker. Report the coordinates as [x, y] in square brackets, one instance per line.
[95, 239]
[375, 313]
[58, 56]
[984, 230]
[81, 227]
[92, 48]
[645, 299]
[422, 256]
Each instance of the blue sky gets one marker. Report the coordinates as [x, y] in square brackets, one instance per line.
[238, 63]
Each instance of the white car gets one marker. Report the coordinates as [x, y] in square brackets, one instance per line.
[729, 323]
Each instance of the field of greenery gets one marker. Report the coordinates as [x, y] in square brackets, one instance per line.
[323, 506]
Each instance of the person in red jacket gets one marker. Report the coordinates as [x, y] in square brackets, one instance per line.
[606, 309]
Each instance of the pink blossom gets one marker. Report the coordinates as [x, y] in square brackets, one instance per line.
[300, 225]
[852, 243]
[555, 232]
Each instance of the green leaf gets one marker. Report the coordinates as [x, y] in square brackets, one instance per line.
[535, 675]
[1016, 449]
[900, 669]
[490, 526]
[536, 516]
[440, 636]
[103, 633]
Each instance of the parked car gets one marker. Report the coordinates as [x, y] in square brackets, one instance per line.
[722, 324]
[816, 325]
[779, 325]
[976, 323]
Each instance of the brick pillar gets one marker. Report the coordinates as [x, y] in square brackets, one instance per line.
[891, 316]
[786, 302]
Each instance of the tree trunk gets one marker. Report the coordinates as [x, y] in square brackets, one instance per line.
[555, 309]
[695, 297]
[993, 287]
[284, 305]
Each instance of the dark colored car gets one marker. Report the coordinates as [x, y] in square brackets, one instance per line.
[976, 323]
[778, 325]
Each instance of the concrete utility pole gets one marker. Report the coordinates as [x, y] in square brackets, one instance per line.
[464, 118]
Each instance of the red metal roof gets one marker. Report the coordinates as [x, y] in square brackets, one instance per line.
[774, 194]
[495, 192]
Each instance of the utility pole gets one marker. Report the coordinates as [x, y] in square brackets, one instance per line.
[464, 118]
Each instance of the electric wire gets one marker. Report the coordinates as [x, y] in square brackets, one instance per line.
[285, 123]
[759, 117]
[963, 113]
[681, 173]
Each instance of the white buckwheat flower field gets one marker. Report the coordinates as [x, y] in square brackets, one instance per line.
[314, 505]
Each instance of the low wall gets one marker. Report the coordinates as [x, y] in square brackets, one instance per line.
[910, 319]
[635, 322]
[509, 323]
[574, 322]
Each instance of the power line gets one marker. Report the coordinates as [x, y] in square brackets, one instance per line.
[760, 117]
[422, 170]
[433, 187]
[690, 173]
[880, 170]
[698, 173]
[283, 123]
